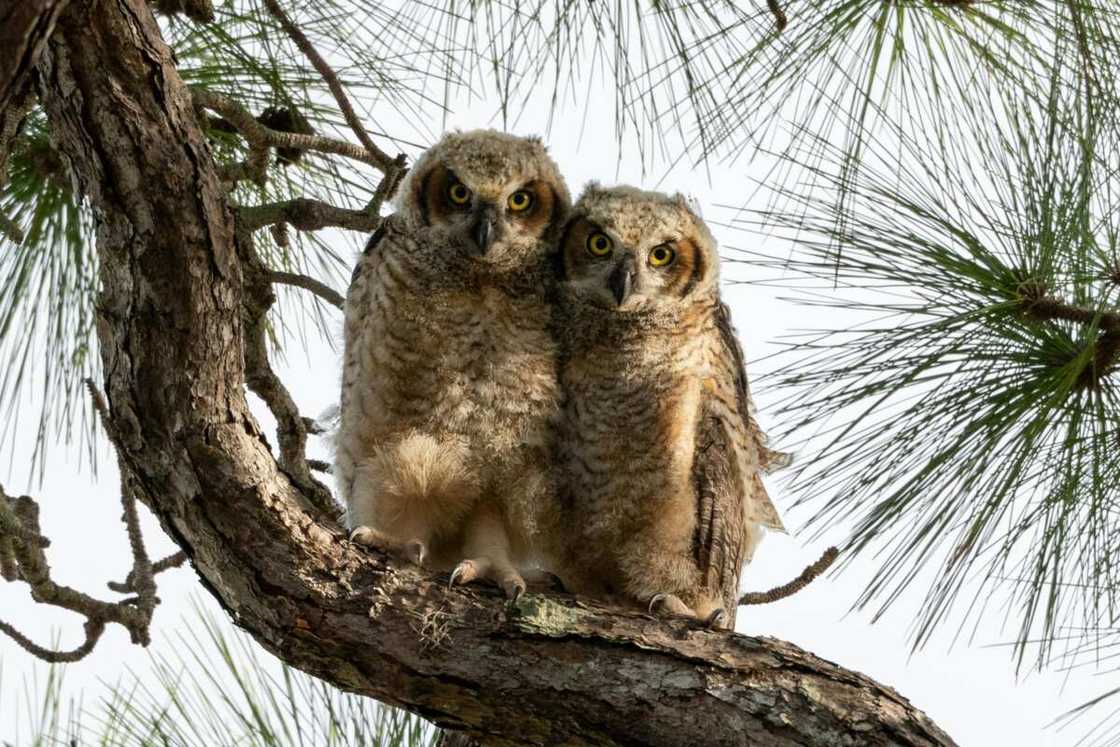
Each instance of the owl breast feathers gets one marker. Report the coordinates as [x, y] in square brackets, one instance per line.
[449, 391]
[660, 449]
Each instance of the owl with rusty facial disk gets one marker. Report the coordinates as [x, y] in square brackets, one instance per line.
[660, 452]
[449, 393]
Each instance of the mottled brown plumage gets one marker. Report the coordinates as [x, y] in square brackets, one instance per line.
[449, 392]
[663, 501]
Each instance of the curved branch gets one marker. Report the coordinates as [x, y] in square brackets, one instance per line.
[93, 630]
[550, 670]
[320, 289]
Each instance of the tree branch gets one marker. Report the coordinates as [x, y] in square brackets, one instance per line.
[1039, 305]
[263, 381]
[128, 586]
[320, 289]
[177, 346]
[305, 215]
[25, 26]
[780, 20]
[258, 135]
[21, 547]
[93, 630]
[384, 161]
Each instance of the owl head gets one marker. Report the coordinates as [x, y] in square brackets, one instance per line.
[497, 198]
[633, 252]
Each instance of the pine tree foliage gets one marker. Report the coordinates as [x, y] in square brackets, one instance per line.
[964, 409]
[219, 688]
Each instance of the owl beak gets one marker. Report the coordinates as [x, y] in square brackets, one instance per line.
[483, 229]
[621, 280]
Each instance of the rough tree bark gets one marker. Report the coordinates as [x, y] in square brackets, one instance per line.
[550, 670]
[25, 26]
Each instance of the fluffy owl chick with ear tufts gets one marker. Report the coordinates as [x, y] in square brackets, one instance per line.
[449, 393]
[660, 448]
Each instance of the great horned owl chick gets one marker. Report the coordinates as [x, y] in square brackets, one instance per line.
[449, 391]
[660, 451]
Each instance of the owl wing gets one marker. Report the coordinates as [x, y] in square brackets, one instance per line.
[353, 309]
[357, 301]
[732, 502]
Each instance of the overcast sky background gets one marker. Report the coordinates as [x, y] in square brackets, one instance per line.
[968, 687]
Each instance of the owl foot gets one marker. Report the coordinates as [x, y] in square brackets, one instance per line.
[414, 551]
[717, 619]
[483, 569]
[670, 605]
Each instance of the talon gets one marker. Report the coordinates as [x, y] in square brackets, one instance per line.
[514, 590]
[655, 602]
[454, 576]
[416, 552]
[464, 573]
[715, 620]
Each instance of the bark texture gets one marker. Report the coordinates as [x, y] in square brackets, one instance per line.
[25, 26]
[550, 670]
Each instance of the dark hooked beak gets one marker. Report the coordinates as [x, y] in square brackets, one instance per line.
[621, 279]
[484, 228]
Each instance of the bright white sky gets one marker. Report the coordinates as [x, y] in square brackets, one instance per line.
[968, 688]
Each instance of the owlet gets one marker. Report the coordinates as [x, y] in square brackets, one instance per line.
[449, 393]
[660, 451]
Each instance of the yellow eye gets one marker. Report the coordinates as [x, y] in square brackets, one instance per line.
[520, 201]
[599, 244]
[458, 194]
[662, 256]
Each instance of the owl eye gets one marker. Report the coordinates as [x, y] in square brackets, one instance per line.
[599, 244]
[520, 201]
[662, 256]
[458, 194]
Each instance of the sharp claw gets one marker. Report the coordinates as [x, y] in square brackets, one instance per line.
[354, 533]
[716, 618]
[455, 574]
[656, 600]
[517, 591]
[416, 552]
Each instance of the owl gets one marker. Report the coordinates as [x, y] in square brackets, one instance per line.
[660, 451]
[450, 396]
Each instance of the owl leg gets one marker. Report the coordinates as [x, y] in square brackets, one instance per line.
[486, 546]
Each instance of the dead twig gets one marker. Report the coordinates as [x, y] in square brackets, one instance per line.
[129, 585]
[799, 583]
